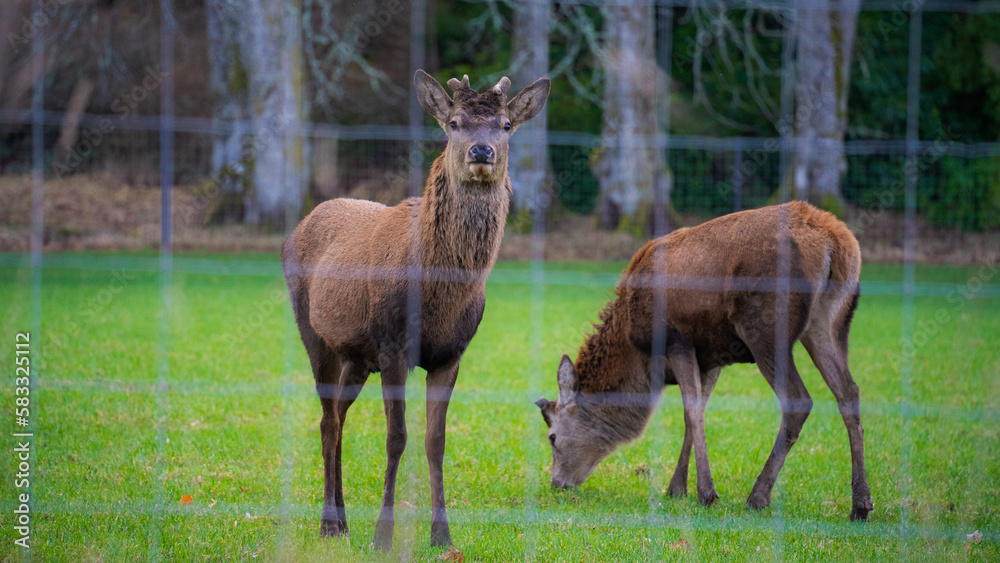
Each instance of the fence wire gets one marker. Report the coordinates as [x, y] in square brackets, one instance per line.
[711, 176]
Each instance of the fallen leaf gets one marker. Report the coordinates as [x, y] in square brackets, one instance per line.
[452, 555]
[975, 537]
[186, 499]
[405, 504]
[244, 489]
[642, 470]
[679, 544]
[260, 550]
[211, 504]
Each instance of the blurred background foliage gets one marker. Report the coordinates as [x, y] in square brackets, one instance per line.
[724, 70]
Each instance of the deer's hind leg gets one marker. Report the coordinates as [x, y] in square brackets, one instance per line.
[829, 353]
[796, 404]
[336, 396]
[337, 384]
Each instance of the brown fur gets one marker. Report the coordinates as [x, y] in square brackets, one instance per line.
[352, 267]
[723, 297]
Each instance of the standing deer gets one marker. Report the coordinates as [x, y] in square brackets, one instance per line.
[385, 289]
[740, 288]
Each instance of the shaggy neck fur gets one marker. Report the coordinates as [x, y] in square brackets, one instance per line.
[462, 224]
[615, 386]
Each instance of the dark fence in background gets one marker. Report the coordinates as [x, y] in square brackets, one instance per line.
[119, 157]
[710, 176]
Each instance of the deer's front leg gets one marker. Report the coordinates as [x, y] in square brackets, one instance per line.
[678, 483]
[685, 367]
[440, 384]
[394, 399]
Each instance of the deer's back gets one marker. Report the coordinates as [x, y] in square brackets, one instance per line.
[723, 273]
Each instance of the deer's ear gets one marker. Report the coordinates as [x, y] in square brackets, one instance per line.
[432, 96]
[568, 383]
[546, 407]
[528, 102]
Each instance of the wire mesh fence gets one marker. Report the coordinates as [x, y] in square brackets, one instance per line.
[141, 181]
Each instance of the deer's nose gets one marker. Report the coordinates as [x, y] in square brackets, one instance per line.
[481, 153]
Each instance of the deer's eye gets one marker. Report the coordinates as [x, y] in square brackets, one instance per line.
[506, 126]
[453, 125]
[552, 439]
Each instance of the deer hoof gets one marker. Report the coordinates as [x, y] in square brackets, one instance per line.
[677, 491]
[758, 502]
[708, 497]
[381, 543]
[383, 536]
[861, 512]
[440, 536]
[332, 528]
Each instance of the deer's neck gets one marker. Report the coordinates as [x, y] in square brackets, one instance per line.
[614, 377]
[462, 225]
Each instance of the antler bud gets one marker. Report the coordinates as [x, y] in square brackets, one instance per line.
[454, 84]
[502, 86]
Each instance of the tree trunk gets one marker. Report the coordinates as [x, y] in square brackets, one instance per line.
[529, 147]
[825, 32]
[270, 54]
[629, 168]
[69, 129]
[10, 17]
[256, 77]
[229, 91]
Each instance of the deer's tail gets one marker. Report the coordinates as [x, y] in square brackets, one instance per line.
[291, 265]
[844, 283]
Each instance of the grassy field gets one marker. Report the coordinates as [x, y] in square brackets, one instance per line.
[213, 399]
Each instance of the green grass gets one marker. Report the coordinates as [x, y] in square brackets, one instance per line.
[237, 429]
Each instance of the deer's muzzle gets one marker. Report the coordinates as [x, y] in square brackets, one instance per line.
[481, 154]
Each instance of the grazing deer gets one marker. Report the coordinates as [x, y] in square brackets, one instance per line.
[740, 288]
[384, 289]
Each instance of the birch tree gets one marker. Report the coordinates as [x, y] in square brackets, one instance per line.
[629, 167]
[529, 148]
[228, 88]
[256, 78]
[824, 33]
